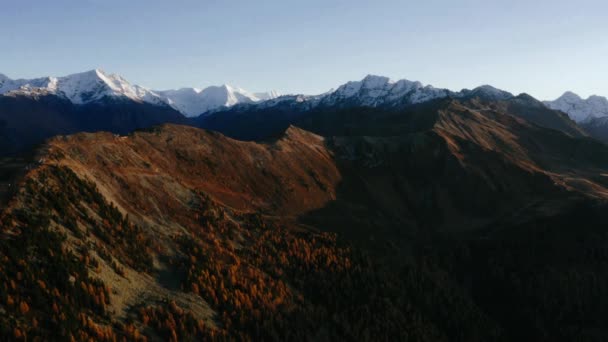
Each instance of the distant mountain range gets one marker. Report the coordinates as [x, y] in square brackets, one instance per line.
[372, 100]
[579, 109]
[372, 91]
[32, 110]
[82, 88]
[382, 210]
[591, 113]
[193, 102]
[96, 85]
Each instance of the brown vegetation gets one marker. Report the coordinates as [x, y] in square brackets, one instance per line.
[218, 224]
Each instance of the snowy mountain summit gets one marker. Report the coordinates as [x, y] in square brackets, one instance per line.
[579, 109]
[375, 91]
[86, 87]
[372, 91]
[97, 85]
[192, 101]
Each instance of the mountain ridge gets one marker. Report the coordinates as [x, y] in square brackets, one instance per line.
[371, 90]
[579, 109]
[428, 217]
[193, 101]
[95, 85]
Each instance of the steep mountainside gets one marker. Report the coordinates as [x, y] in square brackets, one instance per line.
[380, 211]
[26, 121]
[154, 215]
[33, 110]
[534, 111]
[597, 128]
[424, 232]
[259, 122]
[591, 113]
[467, 168]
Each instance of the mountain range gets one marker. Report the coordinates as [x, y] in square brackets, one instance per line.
[372, 91]
[430, 217]
[96, 100]
[591, 113]
[97, 85]
[580, 110]
[381, 210]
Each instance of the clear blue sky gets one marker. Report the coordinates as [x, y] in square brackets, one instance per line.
[541, 47]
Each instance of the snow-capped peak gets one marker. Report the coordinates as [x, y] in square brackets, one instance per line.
[375, 81]
[192, 102]
[369, 91]
[81, 88]
[579, 109]
[570, 96]
[96, 85]
[488, 92]
[375, 90]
